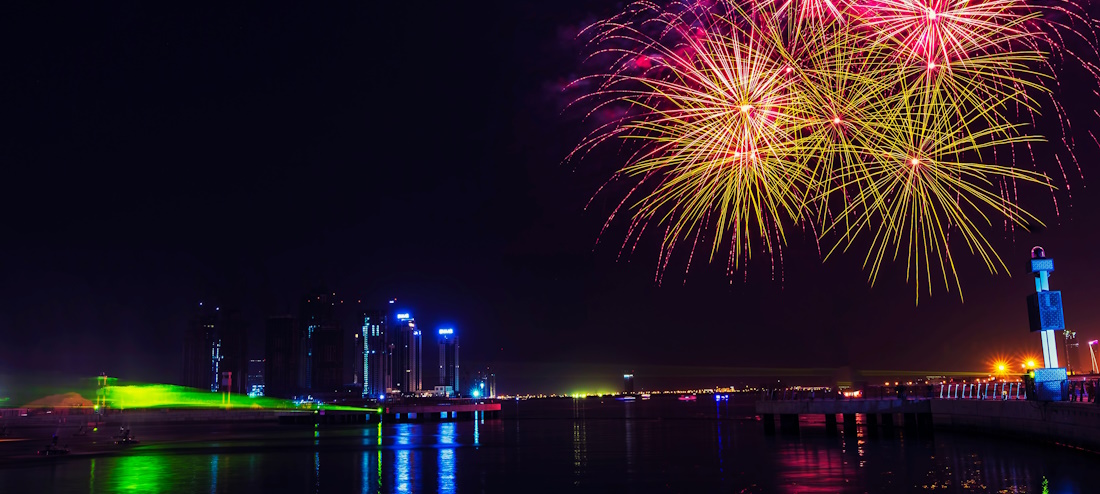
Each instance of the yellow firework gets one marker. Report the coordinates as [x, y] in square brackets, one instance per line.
[873, 120]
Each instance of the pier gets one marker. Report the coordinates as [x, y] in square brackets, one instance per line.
[884, 411]
[415, 412]
[1075, 424]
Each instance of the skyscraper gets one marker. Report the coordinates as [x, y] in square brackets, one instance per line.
[201, 351]
[628, 383]
[323, 344]
[485, 384]
[375, 358]
[282, 357]
[255, 381]
[448, 361]
[214, 349]
[407, 348]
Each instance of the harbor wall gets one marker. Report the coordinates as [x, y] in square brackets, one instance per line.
[1068, 423]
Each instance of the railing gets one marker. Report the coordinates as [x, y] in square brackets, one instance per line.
[983, 391]
[947, 391]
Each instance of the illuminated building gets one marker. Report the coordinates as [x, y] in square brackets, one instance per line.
[255, 381]
[375, 358]
[448, 360]
[628, 383]
[485, 383]
[282, 357]
[406, 356]
[214, 349]
[322, 345]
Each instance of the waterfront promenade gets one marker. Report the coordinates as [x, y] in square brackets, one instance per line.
[1075, 424]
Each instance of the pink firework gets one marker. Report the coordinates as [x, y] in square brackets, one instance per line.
[937, 32]
[810, 11]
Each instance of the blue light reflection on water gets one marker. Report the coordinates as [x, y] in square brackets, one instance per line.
[214, 475]
[402, 471]
[446, 462]
[402, 465]
[582, 447]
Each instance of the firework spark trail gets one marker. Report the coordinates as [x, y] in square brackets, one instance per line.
[876, 118]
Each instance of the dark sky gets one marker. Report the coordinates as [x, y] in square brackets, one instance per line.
[156, 155]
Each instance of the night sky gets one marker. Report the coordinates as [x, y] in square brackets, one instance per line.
[157, 155]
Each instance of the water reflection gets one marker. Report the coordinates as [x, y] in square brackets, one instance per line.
[317, 471]
[214, 475]
[697, 455]
[446, 469]
[401, 471]
[91, 477]
[580, 441]
[806, 468]
[480, 419]
[446, 462]
[139, 474]
[371, 464]
[629, 437]
[402, 465]
[580, 450]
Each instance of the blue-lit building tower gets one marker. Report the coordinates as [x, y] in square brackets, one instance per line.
[448, 361]
[1045, 317]
[375, 354]
[407, 350]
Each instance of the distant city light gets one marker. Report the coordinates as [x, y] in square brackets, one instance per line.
[476, 394]
[402, 316]
[446, 331]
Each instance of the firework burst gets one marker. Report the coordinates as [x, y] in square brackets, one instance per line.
[876, 118]
[716, 119]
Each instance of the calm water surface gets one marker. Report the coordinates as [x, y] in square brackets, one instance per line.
[569, 446]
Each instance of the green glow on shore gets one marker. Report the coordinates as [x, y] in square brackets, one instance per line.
[172, 396]
[109, 394]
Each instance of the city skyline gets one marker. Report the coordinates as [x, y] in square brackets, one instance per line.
[248, 157]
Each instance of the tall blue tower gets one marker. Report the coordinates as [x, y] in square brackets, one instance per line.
[1045, 306]
[1045, 316]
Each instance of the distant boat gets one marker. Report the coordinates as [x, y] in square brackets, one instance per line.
[645, 396]
[625, 398]
[686, 398]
